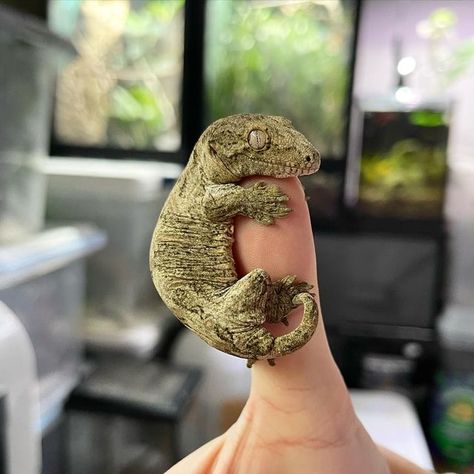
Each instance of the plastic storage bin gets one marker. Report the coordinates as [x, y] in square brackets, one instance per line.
[124, 199]
[42, 280]
[29, 59]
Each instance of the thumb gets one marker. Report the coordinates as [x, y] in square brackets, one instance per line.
[287, 248]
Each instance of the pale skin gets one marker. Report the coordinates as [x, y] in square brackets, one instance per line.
[298, 417]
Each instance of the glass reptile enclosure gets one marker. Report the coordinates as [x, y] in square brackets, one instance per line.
[403, 162]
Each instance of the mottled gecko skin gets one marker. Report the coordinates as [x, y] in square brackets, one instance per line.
[191, 252]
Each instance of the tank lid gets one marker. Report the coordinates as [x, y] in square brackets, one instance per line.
[47, 251]
[111, 179]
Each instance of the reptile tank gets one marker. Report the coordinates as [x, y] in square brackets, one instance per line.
[402, 152]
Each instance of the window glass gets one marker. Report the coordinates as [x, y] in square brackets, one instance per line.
[282, 57]
[124, 88]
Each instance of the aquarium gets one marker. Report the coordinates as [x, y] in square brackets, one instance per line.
[402, 165]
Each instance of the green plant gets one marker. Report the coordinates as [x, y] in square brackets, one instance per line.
[281, 58]
[140, 108]
[135, 110]
[410, 175]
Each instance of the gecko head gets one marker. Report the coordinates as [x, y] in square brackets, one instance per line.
[252, 144]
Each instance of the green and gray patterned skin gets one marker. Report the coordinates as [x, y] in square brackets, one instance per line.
[191, 252]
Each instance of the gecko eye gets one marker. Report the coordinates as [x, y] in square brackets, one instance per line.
[257, 139]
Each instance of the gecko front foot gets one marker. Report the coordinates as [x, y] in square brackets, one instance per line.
[265, 203]
[281, 303]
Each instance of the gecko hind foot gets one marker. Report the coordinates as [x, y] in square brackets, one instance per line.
[282, 302]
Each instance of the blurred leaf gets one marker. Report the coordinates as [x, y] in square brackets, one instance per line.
[139, 23]
[426, 118]
[409, 167]
[164, 10]
[148, 102]
[134, 103]
[443, 18]
[123, 106]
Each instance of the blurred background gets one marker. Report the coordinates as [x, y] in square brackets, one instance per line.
[101, 102]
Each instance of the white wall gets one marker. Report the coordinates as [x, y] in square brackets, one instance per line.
[384, 20]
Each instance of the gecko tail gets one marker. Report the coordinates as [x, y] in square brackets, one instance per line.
[288, 343]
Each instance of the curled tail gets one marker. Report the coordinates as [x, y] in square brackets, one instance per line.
[288, 343]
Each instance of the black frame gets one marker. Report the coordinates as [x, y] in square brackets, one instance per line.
[336, 165]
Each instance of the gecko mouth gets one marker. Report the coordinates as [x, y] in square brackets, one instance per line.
[289, 171]
[286, 170]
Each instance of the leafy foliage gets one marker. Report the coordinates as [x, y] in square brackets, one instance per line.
[410, 178]
[139, 108]
[281, 58]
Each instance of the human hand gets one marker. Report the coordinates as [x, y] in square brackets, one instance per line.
[298, 417]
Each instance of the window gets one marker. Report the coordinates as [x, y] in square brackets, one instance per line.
[282, 57]
[123, 91]
[152, 74]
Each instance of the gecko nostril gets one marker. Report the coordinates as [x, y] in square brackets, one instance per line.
[308, 158]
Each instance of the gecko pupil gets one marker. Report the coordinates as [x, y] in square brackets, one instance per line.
[257, 139]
